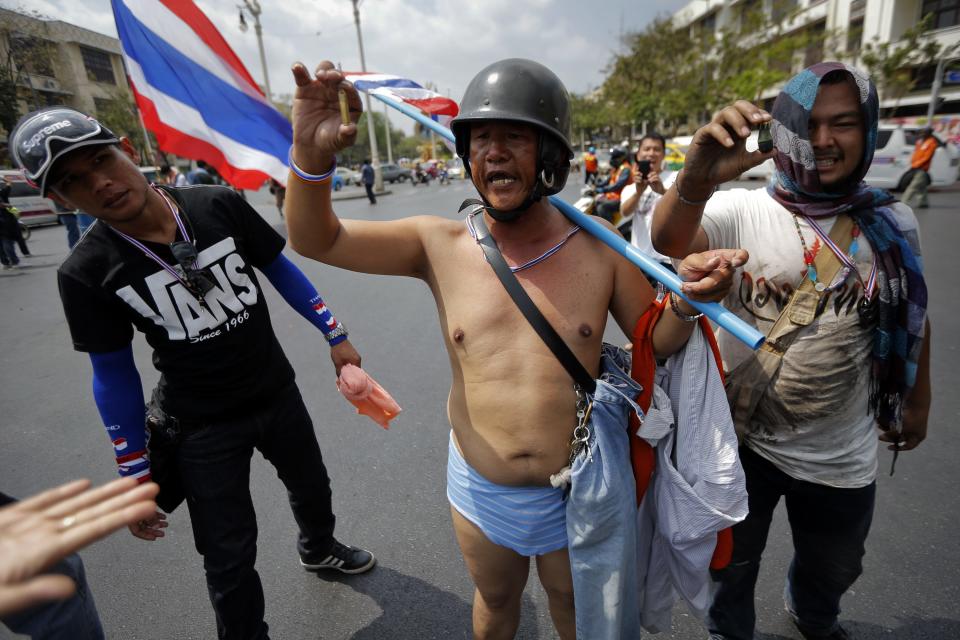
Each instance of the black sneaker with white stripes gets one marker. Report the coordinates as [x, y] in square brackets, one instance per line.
[342, 558]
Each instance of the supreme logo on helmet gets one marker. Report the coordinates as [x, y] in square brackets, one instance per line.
[38, 137]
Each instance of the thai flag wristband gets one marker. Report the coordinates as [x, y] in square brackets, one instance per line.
[310, 177]
[333, 330]
[337, 336]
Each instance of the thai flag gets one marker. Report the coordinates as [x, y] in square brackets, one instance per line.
[195, 94]
[440, 108]
[403, 90]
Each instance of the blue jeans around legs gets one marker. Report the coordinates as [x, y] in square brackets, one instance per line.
[829, 527]
[602, 511]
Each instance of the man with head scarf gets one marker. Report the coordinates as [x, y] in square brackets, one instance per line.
[858, 360]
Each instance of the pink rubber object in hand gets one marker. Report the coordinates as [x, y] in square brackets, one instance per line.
[367, 396]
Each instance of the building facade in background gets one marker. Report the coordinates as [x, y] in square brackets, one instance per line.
[853, 24]
[51, 62]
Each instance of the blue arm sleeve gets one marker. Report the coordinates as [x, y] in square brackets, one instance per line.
[119, 397]
[300, 294]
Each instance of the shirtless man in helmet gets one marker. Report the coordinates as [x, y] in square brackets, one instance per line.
[511, 404]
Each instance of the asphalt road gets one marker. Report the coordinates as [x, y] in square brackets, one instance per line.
[389, 486]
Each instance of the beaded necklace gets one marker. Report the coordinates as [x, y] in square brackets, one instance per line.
[846, 260]
[534, 261]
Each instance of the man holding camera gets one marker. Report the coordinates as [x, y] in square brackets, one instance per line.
[637, 200]
[177, 265]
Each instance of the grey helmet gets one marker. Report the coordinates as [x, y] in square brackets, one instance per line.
[525, 91]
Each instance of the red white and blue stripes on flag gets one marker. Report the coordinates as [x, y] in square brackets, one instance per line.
[196, 96]
[404, 90]
[440, 108]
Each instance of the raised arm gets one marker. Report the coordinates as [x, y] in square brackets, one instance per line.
[315, 231]
[717, 154]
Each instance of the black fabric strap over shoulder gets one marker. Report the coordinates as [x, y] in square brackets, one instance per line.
[529, 310]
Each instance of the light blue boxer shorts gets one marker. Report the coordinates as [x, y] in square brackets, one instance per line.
[530, 520]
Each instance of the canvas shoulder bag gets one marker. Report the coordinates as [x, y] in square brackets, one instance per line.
[750, 380]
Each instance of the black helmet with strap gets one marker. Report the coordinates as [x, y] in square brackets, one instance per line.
[617, 156]
[524, 91]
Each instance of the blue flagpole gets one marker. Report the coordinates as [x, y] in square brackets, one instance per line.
[723, 317]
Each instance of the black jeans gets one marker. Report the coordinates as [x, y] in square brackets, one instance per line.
[214, 466]
[829, 527]
[369, 188]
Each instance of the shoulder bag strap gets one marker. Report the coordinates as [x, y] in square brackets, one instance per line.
[529, 310]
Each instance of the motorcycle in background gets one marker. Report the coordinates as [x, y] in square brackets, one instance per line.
[587, 203]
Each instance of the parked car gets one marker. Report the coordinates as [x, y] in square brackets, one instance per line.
[349, 176]
[34, 209]
[393, 173]
[891, 160]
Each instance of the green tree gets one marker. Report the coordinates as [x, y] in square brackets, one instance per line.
[892, 65]
[9, 108]
[591, 114]
[23, 51]
[672, 76]
[758, 52]
[657, 79]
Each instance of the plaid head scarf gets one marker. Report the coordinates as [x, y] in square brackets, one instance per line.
[902, 303]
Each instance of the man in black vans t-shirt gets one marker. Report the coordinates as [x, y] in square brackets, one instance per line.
[176, 264]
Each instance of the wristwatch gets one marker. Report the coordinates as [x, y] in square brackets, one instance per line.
[334, 336]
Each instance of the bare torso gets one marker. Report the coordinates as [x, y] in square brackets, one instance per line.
[512, 406]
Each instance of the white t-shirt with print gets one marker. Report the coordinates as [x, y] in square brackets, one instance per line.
[643, 214]
[814, 424]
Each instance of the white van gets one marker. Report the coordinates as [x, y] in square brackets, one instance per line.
[891, 160]
[34, 209]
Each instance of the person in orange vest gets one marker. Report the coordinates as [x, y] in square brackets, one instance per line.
[915, 195]
[590, 166]
[621, 174]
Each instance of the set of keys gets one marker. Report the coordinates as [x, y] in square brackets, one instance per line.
[581, 434]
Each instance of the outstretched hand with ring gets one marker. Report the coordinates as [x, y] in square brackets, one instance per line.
[40, 531]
